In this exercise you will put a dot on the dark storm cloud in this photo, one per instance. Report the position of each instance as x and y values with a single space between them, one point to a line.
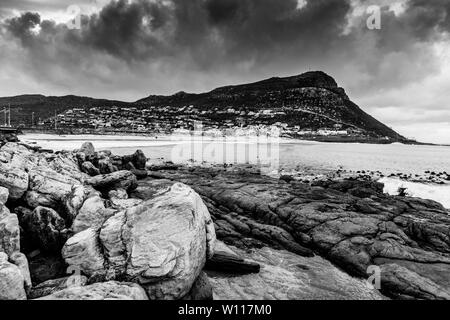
144 30
427 17
131 48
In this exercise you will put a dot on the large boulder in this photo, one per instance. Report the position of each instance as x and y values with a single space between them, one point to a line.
49 187
11 280
47 229
162 244
117 180
21 261
88 149
138 160
101 291
67 165
19 156
14 179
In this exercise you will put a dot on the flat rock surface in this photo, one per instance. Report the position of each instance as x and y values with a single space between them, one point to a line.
287 276
350 223
101 291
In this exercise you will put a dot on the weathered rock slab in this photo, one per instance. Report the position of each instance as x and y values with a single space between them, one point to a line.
101 291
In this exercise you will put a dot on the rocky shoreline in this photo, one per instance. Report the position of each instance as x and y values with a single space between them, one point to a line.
92 225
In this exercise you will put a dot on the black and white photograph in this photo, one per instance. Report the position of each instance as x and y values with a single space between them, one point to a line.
241 152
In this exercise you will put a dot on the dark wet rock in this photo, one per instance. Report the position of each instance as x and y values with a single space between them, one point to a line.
287 178
118 180
351 223
164 166
225 262
47 229
138 159
140 174
44 267
129 166
88 168
105 166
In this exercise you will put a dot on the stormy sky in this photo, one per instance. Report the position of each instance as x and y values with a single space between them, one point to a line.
128 49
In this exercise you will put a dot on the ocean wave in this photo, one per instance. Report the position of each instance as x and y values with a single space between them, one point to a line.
437 193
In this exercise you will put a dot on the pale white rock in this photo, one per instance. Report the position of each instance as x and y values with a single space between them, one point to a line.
119 200
101 291
67 165
20 157
50 185
75 199
114 247
4 211
14 179
162 244
121 204
16 148
92 214
82 251
5 157
4 195
21 261
118 194
221 247
11 280
9 233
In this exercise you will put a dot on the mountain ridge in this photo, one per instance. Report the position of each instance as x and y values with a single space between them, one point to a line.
309 101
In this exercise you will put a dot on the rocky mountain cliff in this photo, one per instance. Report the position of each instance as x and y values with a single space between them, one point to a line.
308 102
312 100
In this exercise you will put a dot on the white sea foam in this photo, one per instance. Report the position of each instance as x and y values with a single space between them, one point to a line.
419 190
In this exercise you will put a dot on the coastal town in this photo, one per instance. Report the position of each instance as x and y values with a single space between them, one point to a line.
146 119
